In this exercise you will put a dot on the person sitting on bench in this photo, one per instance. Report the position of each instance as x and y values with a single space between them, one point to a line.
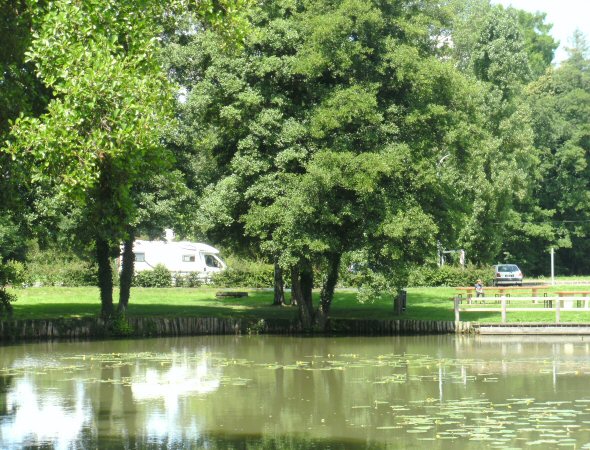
479 288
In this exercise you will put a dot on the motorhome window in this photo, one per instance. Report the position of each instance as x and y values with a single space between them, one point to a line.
211 261
140 257
188 258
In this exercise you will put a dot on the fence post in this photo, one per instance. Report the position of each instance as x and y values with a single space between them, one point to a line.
399 302
503 299
557 310
457 301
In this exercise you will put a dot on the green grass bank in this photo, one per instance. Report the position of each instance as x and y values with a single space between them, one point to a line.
422 304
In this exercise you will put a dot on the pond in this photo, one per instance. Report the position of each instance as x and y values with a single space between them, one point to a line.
440 392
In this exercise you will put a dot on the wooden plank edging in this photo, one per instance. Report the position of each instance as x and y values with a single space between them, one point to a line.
91 328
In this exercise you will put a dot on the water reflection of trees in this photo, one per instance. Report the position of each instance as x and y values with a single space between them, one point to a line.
47 404
35 416
269 391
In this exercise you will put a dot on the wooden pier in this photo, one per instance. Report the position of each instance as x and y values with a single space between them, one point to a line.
531 328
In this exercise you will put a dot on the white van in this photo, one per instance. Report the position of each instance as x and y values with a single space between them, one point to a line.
180 258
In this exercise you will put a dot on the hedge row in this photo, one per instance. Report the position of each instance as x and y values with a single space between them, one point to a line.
57 267
255 277
424 276
57 270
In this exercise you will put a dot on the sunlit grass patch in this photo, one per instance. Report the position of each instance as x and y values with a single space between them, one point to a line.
422 304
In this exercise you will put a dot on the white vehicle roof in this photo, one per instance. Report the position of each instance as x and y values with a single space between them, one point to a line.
140 245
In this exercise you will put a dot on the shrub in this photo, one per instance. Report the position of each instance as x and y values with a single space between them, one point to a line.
57 267
160 277
244 278
11 273
84 275
188 280
245 273
121 327
422 276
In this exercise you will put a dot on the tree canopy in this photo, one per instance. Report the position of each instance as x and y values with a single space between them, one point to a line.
101 133
314 134
325 136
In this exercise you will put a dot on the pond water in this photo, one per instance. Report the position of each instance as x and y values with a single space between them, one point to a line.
278 392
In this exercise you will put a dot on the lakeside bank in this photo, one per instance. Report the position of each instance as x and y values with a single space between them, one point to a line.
139 327
96 328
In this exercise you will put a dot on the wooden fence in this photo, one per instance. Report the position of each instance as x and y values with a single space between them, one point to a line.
505 304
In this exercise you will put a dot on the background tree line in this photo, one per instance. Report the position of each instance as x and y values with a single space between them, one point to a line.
309 134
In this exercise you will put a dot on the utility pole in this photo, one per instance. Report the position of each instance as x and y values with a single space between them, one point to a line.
552 267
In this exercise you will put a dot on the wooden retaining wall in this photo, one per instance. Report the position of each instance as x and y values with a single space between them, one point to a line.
88 328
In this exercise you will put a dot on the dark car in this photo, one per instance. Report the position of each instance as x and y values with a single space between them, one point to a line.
507 274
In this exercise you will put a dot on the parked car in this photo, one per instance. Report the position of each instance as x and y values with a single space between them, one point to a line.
507 274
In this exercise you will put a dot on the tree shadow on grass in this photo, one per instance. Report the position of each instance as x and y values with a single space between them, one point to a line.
84 310
66 310
230 311
429 305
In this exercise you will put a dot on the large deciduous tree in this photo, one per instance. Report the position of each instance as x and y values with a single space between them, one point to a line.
561 104
21 92
504 49
325 134
100 135
98 147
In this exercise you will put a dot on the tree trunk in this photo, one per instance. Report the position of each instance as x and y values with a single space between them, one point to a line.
307 286
126 277
105 277
327 293
279 286
295 287
302 291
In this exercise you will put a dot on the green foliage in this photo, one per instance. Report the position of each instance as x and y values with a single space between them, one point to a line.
508 31
100 136
499 55
159 277
12 242
256 328
427 276
120 327
323 135
98 145
330 128
6 298
539 43
190 280
495 46
255 275
58 266
561 104
110 94
11 273
22 91
503 49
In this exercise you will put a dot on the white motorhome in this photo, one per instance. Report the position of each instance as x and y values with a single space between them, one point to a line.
178 257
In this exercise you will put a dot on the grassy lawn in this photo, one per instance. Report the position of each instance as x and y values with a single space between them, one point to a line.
54 302
422 304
